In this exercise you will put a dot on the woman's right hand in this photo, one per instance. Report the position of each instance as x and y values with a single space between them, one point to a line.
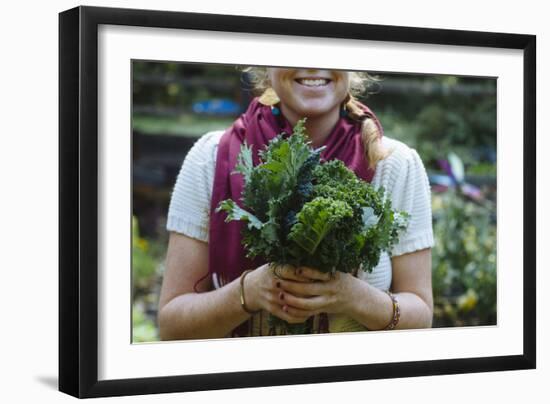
262 290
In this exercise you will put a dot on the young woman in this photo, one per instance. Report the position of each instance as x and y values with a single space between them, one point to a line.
210 290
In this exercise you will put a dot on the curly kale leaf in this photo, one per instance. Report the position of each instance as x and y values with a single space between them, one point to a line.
316 219
374 228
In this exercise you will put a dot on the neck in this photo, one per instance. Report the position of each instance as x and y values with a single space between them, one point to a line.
317 127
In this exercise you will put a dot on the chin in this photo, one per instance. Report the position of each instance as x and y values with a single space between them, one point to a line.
314 111
313 114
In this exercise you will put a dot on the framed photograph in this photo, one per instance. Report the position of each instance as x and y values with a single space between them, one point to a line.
170 231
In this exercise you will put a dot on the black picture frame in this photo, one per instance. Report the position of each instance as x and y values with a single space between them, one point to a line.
78 200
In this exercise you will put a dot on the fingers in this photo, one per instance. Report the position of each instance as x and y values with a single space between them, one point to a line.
288 272
294 294
313 305
314 274
289 314
305 289
280 306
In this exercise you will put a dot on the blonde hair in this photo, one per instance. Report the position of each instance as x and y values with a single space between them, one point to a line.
359 83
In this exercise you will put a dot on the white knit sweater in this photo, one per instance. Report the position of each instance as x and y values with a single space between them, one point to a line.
402 175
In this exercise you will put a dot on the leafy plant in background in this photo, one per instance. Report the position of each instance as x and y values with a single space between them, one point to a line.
440 114
146 269
143 328
143 263
464 255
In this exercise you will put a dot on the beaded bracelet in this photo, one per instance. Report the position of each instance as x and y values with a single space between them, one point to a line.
243 301
396 312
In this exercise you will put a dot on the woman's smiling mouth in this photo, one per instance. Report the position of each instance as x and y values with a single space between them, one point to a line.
313 82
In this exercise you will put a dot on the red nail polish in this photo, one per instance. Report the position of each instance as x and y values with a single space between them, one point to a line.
299 271
278 284
281 296
285 308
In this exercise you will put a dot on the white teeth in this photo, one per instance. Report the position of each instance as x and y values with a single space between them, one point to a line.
313 82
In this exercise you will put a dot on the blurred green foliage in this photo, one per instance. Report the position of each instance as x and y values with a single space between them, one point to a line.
143 328
147 256
438 114
143 263
463 261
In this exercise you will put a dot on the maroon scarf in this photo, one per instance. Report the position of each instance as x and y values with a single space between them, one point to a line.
257 126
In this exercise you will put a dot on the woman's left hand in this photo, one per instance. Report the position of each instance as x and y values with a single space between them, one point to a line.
324 294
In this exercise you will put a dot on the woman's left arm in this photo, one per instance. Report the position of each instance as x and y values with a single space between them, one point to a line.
366 304
412 284
412 287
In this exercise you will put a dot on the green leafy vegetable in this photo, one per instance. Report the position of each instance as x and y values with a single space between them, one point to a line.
300 211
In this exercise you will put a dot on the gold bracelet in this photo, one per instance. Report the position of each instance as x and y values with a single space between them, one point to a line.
243 301
396 312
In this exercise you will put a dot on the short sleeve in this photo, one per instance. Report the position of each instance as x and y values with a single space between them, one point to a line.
189 209
406 181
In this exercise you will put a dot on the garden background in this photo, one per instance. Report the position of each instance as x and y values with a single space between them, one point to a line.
449 120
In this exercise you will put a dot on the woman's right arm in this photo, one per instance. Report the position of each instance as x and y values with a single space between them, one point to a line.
184 314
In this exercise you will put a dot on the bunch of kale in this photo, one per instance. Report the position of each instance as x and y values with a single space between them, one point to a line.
304 212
